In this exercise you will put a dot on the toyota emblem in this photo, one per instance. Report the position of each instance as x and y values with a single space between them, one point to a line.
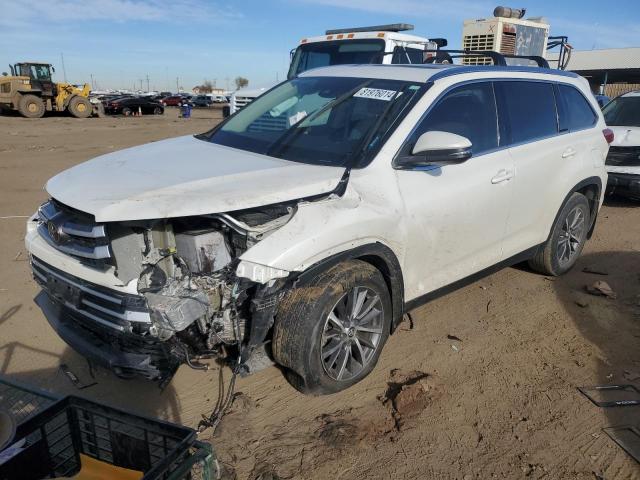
54 231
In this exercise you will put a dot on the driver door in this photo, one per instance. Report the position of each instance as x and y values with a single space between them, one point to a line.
456 214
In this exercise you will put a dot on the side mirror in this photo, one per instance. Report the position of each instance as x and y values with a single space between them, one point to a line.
437 149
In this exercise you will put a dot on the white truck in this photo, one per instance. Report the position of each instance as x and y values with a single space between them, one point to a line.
378 44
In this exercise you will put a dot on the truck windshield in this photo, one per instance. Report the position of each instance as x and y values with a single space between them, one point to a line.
318 120
340 52
623 111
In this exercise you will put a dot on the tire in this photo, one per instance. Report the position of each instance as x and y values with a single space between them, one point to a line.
560 253
31 106
80 107
126 112
158 111
322 354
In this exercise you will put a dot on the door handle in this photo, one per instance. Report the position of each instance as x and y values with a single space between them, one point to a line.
569 152
502 176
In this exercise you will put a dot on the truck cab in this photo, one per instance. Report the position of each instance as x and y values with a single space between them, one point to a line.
378 44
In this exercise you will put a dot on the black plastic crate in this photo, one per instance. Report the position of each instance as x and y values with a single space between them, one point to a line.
55 438
22 402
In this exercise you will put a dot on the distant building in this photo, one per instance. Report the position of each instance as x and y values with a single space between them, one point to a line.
214 91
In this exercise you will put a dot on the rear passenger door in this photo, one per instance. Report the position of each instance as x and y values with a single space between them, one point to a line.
544 162
456 214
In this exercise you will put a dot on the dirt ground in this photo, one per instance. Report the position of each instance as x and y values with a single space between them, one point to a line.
482 385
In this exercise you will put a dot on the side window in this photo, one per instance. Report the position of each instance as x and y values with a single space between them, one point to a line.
576 113
528 110
467 110
403 55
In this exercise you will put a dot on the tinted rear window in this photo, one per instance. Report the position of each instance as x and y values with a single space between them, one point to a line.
576 113
528 110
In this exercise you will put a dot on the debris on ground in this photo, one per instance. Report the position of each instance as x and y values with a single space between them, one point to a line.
594 271
453 337
602 289
73 378
582 303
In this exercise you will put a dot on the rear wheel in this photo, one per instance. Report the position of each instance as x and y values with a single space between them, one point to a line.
567 238
330 332
126 111
80 107
158 111
31 106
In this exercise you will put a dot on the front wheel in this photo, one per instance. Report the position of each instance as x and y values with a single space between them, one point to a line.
80 107
568 237
158 111
330 332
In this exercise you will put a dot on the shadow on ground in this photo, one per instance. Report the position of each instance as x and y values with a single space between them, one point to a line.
138 396
612 325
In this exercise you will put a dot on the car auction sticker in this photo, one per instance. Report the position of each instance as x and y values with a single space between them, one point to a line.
375 94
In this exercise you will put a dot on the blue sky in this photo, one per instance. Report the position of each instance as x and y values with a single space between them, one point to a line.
119 42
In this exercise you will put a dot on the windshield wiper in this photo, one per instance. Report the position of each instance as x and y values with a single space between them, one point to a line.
293 131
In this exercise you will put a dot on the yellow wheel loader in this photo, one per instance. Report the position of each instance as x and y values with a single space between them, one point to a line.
30 90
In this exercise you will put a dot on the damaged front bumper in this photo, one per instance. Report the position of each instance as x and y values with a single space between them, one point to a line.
113 329
103 325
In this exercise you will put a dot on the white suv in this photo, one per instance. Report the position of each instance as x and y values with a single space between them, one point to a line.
303 227
623 162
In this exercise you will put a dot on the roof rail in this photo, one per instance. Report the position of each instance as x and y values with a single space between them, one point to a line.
392 27
499 59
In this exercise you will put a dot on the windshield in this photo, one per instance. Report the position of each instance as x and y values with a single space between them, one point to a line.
623 111
318 120
323 54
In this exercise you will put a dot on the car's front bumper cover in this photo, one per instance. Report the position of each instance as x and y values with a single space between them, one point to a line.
125 353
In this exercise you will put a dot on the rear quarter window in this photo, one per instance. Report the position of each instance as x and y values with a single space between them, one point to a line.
575 112
528 110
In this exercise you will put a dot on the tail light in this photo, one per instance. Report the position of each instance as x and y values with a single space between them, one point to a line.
608 135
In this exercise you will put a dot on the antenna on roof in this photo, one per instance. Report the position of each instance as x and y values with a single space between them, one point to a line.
392 27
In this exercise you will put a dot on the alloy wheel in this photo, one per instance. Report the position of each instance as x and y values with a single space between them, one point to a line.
571 236
352 333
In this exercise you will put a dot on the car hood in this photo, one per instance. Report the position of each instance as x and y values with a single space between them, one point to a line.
625 136
185 176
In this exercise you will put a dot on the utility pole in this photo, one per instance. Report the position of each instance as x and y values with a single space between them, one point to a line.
147 83
64 70
93 85
227 83
177 85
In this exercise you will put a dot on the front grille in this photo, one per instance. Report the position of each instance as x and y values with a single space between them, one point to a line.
475 43
623 157
102 305
242 101
73 232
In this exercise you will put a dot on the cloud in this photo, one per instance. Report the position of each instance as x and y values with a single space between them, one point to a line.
22 13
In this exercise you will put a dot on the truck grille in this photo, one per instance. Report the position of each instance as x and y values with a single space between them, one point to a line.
623 157
72 232
242 101
102 305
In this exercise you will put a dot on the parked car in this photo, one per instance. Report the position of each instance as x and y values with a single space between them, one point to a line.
172 101
202 101
219 98
131 105
622 115
305 226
